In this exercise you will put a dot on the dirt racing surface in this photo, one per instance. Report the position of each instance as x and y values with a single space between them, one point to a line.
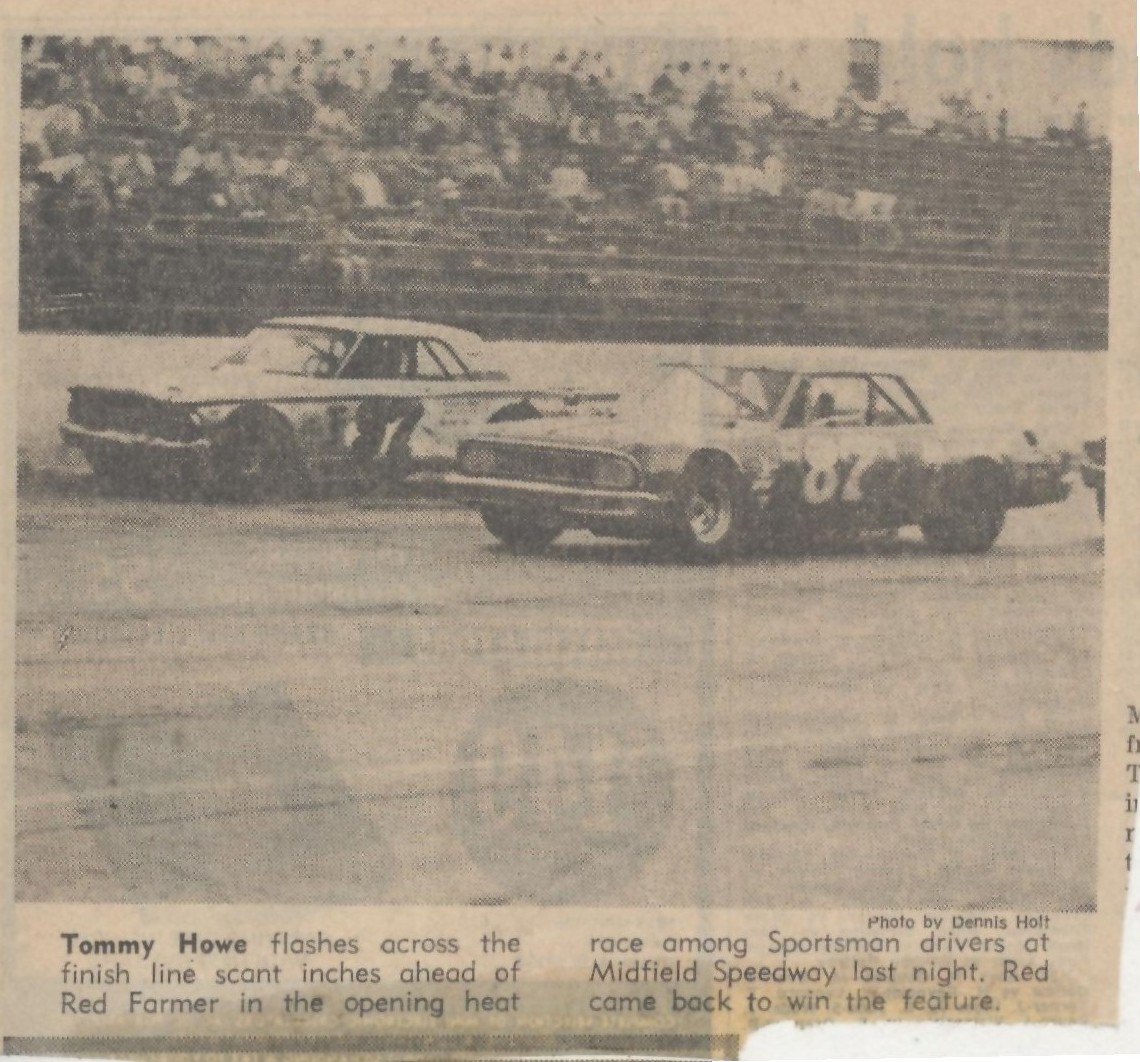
374 703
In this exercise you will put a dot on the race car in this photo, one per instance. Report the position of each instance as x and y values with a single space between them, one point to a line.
1092 469
717 459
301 401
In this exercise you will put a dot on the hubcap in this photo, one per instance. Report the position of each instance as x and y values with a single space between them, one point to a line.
708 510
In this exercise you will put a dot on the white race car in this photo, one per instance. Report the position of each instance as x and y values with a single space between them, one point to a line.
299 401
717 458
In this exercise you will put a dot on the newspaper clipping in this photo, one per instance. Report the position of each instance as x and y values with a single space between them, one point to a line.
566 529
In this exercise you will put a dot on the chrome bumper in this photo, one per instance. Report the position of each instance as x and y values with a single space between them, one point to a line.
77 435
636 506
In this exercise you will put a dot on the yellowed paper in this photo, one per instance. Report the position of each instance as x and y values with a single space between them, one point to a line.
649 570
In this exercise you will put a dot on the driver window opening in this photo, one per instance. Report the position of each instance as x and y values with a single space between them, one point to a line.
382 358
836 401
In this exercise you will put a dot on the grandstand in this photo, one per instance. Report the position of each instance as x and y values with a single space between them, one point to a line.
953 234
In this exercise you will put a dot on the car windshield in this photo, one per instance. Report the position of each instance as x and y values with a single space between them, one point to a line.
292 351
698 392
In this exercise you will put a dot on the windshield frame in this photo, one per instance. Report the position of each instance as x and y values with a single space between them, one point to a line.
246 344
706 374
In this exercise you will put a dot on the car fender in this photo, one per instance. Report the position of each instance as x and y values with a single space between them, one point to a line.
252 417
712 455
978 476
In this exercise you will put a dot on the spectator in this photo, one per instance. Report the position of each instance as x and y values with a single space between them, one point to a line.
569 185
441 126
774 173
669 178
829 215
132 177
874 212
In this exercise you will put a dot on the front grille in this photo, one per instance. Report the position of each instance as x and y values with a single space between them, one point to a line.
546 464
132 414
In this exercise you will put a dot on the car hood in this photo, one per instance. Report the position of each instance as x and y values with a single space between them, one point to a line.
633 434
606 430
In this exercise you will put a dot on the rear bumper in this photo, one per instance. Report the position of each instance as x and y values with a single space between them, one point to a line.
637 510
77 435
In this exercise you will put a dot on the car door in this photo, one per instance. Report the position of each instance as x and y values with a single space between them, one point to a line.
453 407
424 402
856 437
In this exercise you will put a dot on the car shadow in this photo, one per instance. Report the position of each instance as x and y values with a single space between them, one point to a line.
655 554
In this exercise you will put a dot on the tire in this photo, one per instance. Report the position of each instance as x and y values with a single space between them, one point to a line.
255 459
520 531
715 513
971 525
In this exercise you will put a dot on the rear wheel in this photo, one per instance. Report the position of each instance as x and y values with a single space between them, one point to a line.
714 511
521 531
255 460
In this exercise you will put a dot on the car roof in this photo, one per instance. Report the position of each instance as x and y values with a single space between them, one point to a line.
788 366
459 338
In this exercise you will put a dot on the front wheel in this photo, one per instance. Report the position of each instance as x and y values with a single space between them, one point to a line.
255 461
520 531
713 512
969 527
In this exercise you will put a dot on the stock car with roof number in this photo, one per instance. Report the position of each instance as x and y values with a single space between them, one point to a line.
717 459
299 401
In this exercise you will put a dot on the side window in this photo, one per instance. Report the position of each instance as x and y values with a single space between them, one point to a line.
837 401
891 405
381 358
798 407
431 361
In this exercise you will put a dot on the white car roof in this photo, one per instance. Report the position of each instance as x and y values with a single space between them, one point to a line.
461 339
785 363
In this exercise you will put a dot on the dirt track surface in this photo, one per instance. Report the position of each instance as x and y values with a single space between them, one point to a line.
344 703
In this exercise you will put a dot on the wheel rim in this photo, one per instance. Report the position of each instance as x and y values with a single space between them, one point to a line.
708 512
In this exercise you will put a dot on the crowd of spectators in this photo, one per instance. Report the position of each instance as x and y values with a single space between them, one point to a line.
281 129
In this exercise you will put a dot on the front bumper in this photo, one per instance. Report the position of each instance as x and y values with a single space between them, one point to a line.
1039 484
639 510
1092 476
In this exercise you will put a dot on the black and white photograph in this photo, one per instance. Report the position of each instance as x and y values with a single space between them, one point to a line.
572 530
550 471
